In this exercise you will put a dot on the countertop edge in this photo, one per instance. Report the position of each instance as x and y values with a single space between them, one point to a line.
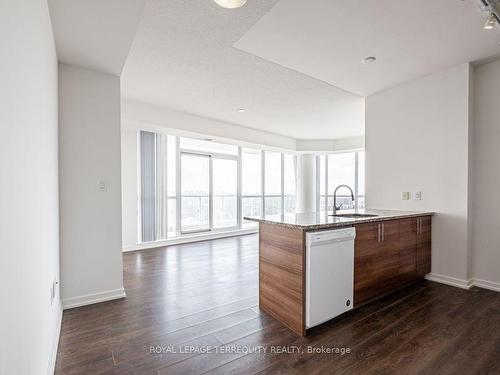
340 224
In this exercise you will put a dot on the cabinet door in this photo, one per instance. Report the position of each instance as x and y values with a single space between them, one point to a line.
408 249
424 246
376 259
388 259
366 248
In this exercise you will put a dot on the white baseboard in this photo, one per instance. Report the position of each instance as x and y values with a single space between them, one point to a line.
189 239
448 280
464 284
55 343
90 299
491 285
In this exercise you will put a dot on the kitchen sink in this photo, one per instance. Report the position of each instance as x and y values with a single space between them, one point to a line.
353 215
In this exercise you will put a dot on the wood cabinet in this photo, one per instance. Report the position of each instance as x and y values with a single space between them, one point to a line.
390 254
376 259
282 275
423 245
407 249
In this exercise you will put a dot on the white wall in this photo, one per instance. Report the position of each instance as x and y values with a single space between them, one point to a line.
486 177
331 145
417 137
89 141
29 223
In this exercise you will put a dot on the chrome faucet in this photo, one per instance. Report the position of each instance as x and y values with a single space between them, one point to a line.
335 208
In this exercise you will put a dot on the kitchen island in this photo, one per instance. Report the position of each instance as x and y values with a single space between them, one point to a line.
392 249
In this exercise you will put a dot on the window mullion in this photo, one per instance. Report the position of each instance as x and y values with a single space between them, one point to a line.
356 180
318 183
326 183
239 203
263 180
282 183
178 204
210 192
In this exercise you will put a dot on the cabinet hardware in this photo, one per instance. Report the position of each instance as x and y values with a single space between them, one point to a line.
378 235
383 232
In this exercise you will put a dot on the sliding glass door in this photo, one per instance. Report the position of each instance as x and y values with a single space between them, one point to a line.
225 193
195 192
209 192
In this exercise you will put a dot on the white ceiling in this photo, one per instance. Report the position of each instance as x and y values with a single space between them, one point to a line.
95 34
327 39
183 58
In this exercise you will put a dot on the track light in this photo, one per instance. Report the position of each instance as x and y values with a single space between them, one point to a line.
490 21
231 4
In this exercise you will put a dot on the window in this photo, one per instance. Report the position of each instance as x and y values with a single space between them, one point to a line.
360 196
193 185
272 186
251 186
340 169
321 164
225 194
195 192
290 182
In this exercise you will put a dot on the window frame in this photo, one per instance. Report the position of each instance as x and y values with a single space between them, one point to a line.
211 156
327 195
240 223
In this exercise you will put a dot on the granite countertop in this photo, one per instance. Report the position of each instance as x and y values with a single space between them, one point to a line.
322 220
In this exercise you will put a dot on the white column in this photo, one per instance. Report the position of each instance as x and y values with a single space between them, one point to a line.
306 183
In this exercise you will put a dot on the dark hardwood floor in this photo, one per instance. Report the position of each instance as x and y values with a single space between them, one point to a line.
184 299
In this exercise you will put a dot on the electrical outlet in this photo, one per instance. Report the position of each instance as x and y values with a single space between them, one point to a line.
405 195
417 196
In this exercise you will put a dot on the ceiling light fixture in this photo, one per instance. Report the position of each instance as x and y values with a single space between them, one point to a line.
369 60
241 110
490 21
231 4
492 8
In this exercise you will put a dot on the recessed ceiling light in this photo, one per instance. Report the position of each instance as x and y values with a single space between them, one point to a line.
241 110
369 60
231 4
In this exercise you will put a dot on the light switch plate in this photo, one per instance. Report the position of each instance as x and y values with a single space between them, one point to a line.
405 195
417 195
101 185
